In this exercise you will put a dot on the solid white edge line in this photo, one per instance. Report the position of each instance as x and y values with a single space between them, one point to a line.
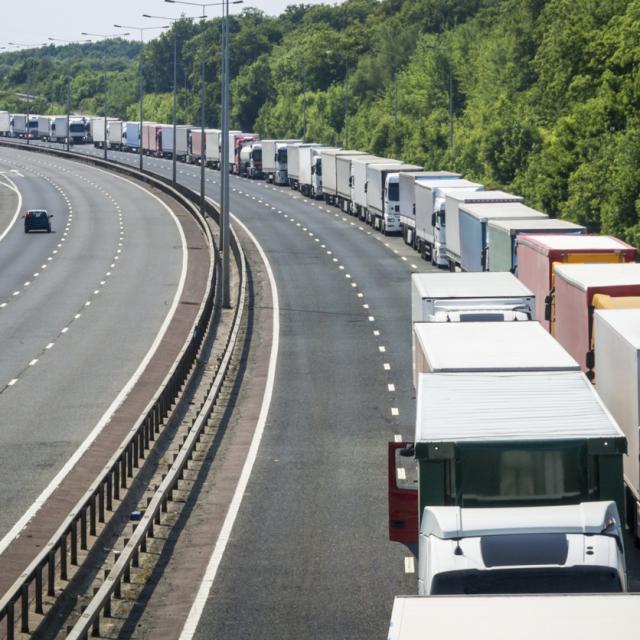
18 209
88 441
191 623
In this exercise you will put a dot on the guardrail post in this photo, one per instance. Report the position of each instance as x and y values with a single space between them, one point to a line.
107 607
123 470
83 529
39 608
10 621
116 591
143 543
129 461
109 492
145 434
101 503
63 557
141 444
51 574
92 515
116 480
127 573
135 558
95 629
74 543
24 601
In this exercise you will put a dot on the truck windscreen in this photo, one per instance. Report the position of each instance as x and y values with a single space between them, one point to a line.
77 128
394 191
529 580
256 155
510 476
282 156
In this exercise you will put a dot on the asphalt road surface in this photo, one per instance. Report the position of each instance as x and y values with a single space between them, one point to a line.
80 307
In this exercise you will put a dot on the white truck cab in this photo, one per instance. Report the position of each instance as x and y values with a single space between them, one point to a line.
552 549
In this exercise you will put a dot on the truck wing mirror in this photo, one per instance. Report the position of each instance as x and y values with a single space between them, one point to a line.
433 219
403 496
590 360
366 187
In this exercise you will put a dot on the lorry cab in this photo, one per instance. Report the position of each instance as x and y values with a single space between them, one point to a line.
316 178
563 549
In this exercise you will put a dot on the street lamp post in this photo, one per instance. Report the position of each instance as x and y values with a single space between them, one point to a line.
106 84
141 30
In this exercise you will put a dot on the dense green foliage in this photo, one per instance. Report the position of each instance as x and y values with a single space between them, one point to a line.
545 92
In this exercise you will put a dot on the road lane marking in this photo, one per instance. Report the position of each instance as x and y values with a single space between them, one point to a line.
394 411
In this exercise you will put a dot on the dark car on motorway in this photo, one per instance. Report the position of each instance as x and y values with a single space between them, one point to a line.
37 220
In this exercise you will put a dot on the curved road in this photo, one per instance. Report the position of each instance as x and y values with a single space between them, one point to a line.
309 554
79 310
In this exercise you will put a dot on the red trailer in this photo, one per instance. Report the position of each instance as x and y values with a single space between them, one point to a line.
195 146
239 140
537 252
575 288
152 139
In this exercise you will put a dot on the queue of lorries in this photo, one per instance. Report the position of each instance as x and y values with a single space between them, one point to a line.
524 469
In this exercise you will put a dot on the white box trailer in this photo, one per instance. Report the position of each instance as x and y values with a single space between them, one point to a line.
330 173
310 171
585 616
383 209
114 133
466 297
407 198
454 347
19 125
344 179
5 123
44 127
452 217
295 150
97 132
617 358
430 216
358 178
59 129
211 147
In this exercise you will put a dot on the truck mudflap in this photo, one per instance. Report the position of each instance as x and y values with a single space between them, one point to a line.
403 497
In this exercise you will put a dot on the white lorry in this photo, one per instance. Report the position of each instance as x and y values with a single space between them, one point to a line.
329 158
358 181
525 617
274 160
430 198
19 125
114 133
131 136
5 123
407 198
295 167
617 359
452 217
470 297
548 549
44 127
182 138
383 195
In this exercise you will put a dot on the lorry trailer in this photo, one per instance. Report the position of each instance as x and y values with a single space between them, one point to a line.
310 171
330 173
617 352
578 288
383 195
131 136
430 198
166 141
358 180
453 201
537 253
44 127
294 167
454 347
474 236
503 235
114 133
525 617
5 123
470 297
547 438
407 198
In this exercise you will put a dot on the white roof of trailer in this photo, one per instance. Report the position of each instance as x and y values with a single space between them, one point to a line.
374 160
485 196
566 242
537 224
486 407
454 183
493 210
394 166
529 617
496 284
491 346
626 322
420 176
599 274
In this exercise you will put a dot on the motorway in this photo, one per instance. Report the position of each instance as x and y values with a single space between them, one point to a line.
309 555
76 317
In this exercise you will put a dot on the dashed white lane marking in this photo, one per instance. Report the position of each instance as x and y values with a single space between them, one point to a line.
382 349
394 411
49 346
409 564
12 382
371 319
33 362
386 366
365 306
391 387
376 332
64 330
402 474
397 437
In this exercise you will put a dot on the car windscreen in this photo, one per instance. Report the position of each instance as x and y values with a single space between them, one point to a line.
530 580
